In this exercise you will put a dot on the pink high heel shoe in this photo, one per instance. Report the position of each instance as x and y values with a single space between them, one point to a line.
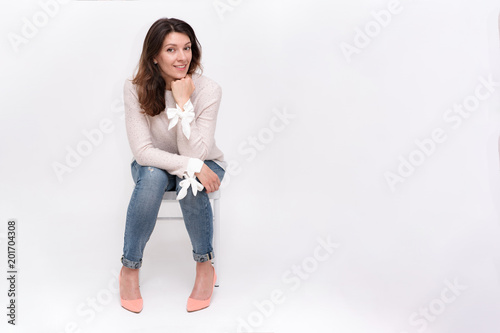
198 304
133 305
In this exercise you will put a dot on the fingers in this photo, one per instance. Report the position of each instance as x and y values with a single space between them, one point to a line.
209 179
216 185
213 184
216 182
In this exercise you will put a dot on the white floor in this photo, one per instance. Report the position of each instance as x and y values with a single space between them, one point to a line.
352 289
70 297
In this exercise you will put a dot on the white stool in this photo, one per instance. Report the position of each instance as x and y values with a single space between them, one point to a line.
170 196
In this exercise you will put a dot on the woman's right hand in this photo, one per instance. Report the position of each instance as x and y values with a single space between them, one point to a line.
182 90
208 179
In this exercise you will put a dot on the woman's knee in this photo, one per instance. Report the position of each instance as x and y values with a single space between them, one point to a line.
195 204
217 169
151 178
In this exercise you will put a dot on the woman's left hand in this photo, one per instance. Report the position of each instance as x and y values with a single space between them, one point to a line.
182 90
208 179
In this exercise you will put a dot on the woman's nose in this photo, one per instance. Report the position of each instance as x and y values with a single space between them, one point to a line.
181 55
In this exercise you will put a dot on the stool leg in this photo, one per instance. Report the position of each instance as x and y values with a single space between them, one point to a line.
216 220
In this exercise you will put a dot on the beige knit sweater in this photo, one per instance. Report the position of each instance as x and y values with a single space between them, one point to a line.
154 145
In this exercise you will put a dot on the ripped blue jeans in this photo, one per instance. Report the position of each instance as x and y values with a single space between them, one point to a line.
150 185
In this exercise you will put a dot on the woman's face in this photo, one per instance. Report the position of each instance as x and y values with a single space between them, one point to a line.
174 57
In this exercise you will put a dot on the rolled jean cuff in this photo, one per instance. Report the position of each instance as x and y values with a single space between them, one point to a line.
203 257
131 264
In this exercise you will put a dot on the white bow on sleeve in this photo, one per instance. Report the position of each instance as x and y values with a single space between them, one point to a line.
186 117
189 180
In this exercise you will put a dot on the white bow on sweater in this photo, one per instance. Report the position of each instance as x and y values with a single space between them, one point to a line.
186 117
190 180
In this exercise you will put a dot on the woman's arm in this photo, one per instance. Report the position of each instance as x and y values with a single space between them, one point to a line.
202 129
139 138
201 139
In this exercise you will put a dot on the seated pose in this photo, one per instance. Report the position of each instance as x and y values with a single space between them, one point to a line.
170 115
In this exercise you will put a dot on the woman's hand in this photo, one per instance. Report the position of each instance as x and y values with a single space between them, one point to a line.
208 178
182 90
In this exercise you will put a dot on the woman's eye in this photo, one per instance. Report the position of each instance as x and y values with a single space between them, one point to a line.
170 50
187 48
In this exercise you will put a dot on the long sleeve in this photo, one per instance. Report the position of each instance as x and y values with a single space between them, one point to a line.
140 140
201 139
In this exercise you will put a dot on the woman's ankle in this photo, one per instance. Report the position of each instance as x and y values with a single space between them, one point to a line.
130 271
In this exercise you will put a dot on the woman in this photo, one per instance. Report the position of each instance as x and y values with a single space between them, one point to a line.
170 115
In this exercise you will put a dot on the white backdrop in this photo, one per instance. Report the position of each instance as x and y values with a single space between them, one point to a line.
371 126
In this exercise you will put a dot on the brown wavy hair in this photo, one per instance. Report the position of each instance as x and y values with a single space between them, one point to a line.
150 84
